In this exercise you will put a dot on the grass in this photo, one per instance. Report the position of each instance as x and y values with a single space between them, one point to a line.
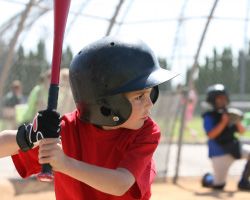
195 126
194 132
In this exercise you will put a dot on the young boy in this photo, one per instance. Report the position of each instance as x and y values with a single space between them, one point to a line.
106 146
223 146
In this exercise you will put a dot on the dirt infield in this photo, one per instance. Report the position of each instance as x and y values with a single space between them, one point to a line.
190 189
186 189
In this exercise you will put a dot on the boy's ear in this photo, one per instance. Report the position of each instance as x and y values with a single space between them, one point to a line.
154 94
105 111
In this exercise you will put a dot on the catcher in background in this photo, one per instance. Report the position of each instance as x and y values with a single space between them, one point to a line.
221 124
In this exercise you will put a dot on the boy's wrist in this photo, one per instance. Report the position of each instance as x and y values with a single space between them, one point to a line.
22 140
66 166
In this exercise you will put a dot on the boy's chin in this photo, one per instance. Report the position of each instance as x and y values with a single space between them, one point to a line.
136 126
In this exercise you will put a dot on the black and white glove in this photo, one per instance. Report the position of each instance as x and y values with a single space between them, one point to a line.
46 124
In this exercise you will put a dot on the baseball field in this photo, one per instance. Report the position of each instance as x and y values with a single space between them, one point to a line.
185 189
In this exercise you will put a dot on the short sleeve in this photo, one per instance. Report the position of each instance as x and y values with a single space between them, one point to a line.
208 123
138 157
26 163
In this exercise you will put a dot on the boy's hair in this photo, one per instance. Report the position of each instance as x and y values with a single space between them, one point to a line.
215 90
101 72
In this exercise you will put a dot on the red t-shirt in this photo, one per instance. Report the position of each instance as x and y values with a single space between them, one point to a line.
124 148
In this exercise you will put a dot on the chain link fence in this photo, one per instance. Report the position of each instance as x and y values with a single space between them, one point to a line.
27 77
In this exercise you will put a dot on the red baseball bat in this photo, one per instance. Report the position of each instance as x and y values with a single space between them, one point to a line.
61 9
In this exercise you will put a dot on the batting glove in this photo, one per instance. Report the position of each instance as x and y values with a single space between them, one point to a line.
46 124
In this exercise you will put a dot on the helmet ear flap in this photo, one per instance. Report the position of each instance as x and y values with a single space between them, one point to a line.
154 94
109 111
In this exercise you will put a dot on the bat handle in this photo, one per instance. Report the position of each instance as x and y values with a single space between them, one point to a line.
46 175
53 96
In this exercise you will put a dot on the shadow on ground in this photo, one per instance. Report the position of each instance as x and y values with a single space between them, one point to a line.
30 185
219 194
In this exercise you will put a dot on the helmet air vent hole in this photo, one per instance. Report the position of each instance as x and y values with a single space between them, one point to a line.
105 111
79 52
112 43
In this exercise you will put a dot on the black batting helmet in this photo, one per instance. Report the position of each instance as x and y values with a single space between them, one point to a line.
103 71
215 90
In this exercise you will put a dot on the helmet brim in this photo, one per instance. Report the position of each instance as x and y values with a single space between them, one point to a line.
146 80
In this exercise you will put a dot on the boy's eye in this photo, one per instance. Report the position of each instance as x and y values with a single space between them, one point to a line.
139 97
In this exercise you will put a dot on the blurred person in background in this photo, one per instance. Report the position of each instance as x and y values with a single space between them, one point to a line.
11 99
38 97
223 145
66 102
192 99
15 96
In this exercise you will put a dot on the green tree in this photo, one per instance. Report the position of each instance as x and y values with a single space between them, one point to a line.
228 71
247 72
67 57
218 69
27 68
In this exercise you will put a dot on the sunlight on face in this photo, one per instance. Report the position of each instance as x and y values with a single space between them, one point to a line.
141 105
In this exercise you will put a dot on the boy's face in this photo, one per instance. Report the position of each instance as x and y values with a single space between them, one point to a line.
221 101
141 106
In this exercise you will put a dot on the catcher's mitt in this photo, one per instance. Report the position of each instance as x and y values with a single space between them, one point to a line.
235 115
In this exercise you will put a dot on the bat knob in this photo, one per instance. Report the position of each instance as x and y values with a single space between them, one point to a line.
45 177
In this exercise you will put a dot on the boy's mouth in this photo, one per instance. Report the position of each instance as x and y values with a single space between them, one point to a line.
145 117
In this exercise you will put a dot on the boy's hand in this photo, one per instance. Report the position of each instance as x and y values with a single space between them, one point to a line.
50 151
46 124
